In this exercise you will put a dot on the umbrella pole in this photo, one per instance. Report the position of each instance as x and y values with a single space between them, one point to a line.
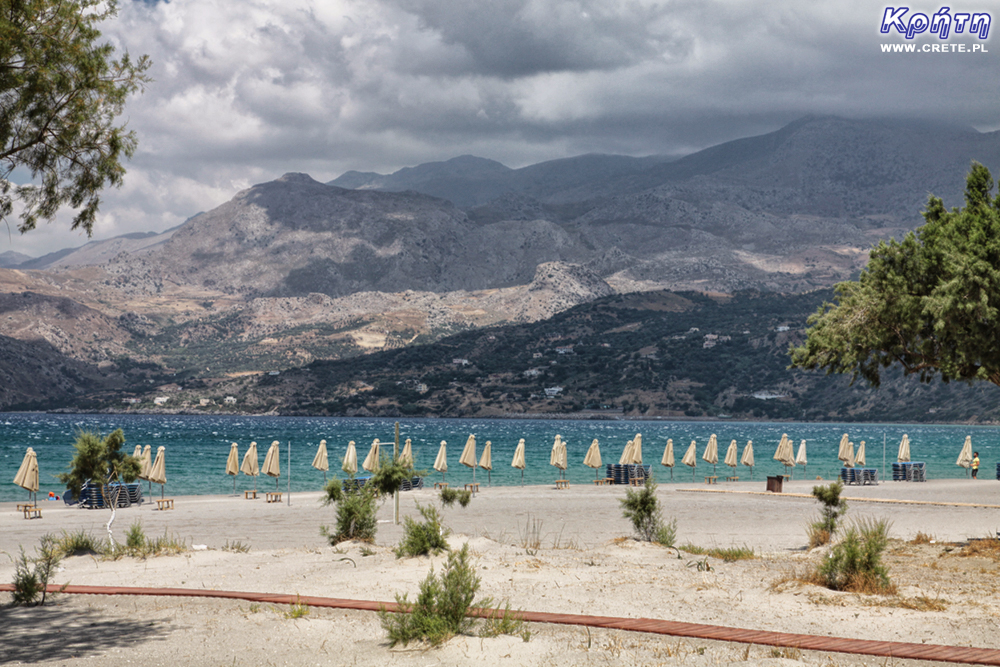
522 476
671 473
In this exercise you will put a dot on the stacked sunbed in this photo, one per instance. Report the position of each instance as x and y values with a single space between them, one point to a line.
622 473
859 475
911 471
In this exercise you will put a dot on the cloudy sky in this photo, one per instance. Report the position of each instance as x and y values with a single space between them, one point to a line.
246 90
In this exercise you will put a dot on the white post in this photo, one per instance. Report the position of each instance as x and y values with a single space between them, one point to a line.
395 494
289 473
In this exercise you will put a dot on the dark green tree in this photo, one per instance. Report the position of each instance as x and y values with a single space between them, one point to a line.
928 303
61 91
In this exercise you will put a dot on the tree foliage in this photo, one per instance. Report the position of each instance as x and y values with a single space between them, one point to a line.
99 461
61 91
928 303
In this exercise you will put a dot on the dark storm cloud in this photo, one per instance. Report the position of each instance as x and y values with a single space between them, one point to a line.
247 90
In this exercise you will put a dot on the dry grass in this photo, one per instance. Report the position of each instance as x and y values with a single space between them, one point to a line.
922 538
728 555
818 536
988 547
919 603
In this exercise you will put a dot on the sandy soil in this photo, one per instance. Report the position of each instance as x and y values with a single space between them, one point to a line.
585 565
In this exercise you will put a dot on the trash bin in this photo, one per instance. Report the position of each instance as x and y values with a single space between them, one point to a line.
774 483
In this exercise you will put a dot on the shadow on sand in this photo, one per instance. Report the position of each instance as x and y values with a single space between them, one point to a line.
64 629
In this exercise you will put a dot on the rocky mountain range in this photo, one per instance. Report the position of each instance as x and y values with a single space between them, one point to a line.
294 270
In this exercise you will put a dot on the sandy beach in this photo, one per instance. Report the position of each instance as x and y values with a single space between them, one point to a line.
583 567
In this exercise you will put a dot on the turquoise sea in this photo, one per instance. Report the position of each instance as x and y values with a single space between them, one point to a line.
197 446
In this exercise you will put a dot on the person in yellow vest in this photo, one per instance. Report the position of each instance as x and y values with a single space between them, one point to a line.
975 465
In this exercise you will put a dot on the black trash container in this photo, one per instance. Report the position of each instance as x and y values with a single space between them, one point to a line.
774 483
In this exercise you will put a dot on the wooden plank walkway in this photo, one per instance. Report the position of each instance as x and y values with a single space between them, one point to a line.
898 650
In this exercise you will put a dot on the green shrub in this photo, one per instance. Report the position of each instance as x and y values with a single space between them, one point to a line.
134 537
464 497
832 510
425 537
441 608
448 496
855 563
31 575
642 508
356 509
505 621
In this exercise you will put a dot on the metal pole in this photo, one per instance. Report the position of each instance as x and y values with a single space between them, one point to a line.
883 452
289 473
395 494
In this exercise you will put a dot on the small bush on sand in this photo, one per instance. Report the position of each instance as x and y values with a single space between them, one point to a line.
135 538
855 563
464 497
833 508
80 543
440 609
448 497
358 503
642 508
31 575
504 621
422 538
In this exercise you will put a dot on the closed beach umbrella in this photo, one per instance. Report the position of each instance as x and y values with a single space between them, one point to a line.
800 458
860 458
441 462
406 458
711 453
145 463
904 449
965 457
842 453
371 461
249 465
272 463
593 457
27 474
784 453
138 452
518 460
747 458
691 457
468 457
731 459
486 462
626 456
668 457
558 456
322 460
350 464
233 463
637 449
849 455
158 471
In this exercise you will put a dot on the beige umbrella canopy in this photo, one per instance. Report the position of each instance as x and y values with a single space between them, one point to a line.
371 461
965 456
558 456
518 460
145 462
233 463
322 459
849 455
27 474
784 453
903 455
747 458
406 458
842 452
626 456
468 457
593 458
691 457
731 459
486 462
711 453
138 452
272 463
441 462
860 458
800 458
249 465
350 462
158 471
668 457
637 449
